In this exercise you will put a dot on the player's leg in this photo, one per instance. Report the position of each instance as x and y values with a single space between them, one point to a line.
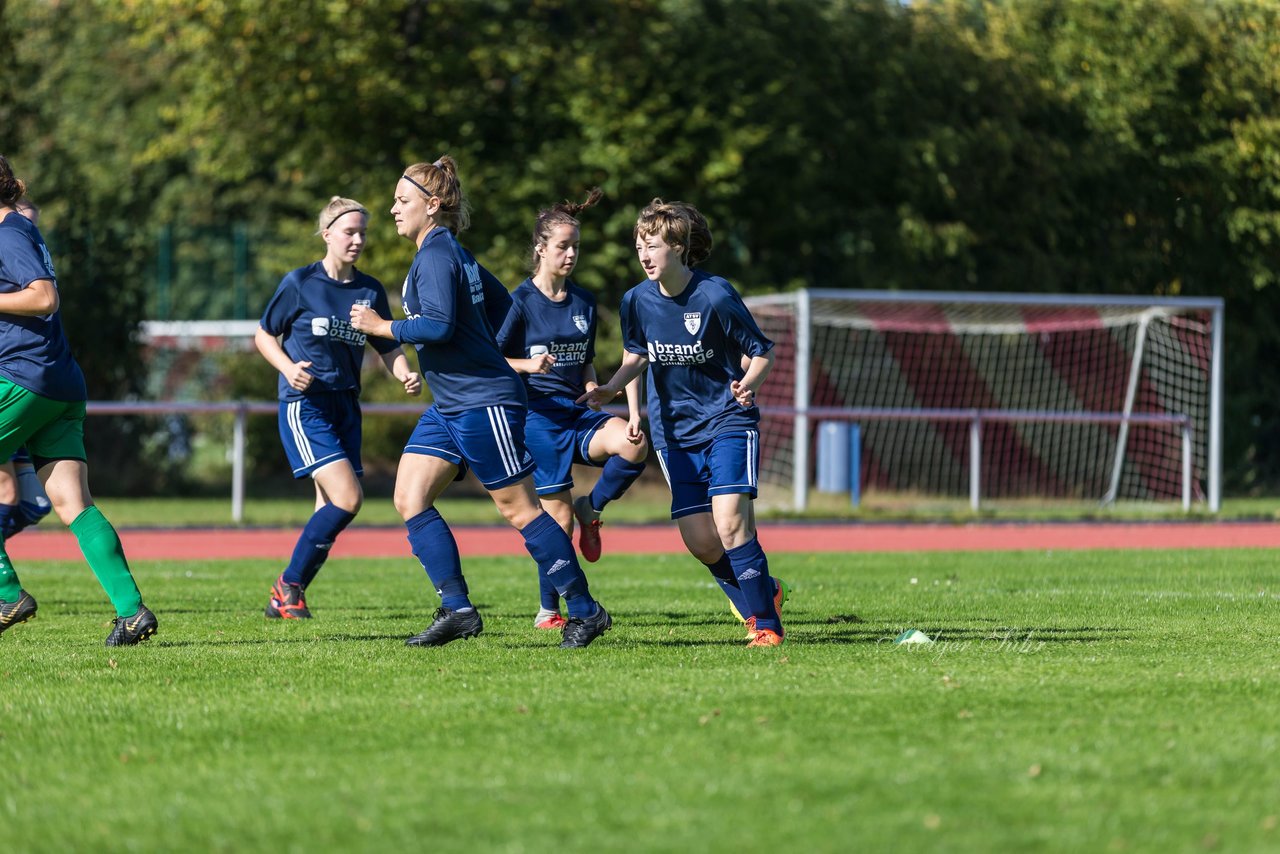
604 442
16 605
338 492
732 462
33 504
549 439
558 505
686 476
338 499
66 481
21 412
493 440
8 500
320 442
430 462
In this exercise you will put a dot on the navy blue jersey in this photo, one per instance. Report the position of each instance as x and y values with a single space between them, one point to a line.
34 352
311 313
694 343
565 329
453 306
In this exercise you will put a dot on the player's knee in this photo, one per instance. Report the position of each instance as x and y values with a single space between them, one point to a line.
408 505
732 530
636 453
707 552
519 516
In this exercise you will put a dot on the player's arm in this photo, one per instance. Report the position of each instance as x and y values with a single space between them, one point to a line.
294 373
398 364
744 390
631 368
741 329
634 434
35 300
539 364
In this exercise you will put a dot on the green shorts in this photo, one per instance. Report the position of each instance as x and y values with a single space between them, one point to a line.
51 429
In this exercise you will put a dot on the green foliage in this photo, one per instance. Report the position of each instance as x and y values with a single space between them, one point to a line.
1119 146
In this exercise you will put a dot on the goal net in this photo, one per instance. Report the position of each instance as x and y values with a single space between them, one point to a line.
996 396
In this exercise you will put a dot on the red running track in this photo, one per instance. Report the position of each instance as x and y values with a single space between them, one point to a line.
230 543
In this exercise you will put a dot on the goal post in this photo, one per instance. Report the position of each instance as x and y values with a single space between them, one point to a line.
997 396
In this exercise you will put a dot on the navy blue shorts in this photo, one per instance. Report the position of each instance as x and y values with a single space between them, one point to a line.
319 429
727 465
489 441
559 432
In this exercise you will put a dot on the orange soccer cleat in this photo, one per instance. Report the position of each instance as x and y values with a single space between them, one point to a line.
766 637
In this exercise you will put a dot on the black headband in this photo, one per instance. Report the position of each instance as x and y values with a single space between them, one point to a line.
344 213
424 190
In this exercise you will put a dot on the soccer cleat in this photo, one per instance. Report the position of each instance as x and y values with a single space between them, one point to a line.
781 592
447 625
18 611
588 528
581 631
287 602
548 620
128 631
752 631
766 637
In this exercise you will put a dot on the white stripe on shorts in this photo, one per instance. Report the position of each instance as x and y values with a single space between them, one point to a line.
502 436
662 464
751 457
293 414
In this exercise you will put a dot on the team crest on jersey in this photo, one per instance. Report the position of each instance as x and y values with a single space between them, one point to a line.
580 321
693 321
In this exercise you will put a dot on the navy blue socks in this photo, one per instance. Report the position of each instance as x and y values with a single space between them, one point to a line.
616 477
313 546
751 568
723 572
8 520
558 564
549 597
436 549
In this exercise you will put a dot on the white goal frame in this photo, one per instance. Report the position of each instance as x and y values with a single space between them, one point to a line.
800 303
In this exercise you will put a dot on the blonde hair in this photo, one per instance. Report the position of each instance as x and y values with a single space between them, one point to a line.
337 207
440 179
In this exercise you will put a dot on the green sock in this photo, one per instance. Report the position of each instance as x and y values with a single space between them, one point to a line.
102 549
10 589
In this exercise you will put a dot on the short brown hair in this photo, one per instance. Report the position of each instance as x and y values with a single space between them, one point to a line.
678 224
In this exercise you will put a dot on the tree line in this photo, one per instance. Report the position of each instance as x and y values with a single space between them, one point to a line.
1112 146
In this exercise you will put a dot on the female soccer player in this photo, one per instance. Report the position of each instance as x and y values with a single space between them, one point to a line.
42 406
694 332
22 499
477 419
549 336
306 335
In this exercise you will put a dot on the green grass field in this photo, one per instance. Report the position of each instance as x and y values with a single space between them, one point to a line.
1084 701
